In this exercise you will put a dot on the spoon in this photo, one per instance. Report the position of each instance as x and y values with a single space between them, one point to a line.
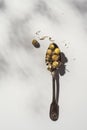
53 62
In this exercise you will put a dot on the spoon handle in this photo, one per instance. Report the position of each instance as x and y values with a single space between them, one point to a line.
54 108
53 85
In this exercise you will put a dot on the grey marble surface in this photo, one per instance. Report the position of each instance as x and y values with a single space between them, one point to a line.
25 83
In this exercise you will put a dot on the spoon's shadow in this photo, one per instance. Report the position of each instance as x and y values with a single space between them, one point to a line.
60 71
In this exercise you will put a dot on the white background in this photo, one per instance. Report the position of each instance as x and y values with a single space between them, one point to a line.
25 83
